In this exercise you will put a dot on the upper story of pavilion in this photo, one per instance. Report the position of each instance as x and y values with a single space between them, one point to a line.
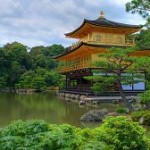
104 32
95 37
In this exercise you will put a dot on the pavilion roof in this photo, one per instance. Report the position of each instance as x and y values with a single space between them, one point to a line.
87 45
103 22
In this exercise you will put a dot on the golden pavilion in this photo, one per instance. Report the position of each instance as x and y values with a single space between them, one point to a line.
94 37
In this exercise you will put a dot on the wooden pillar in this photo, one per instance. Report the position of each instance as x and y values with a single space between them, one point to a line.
66 83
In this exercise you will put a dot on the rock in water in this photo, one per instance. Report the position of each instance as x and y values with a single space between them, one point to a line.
94 115
82 103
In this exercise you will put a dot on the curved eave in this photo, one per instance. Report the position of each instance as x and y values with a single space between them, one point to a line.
86 44
103 23
83 23
70 51
139 52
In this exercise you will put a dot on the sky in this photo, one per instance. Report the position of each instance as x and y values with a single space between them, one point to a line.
44 22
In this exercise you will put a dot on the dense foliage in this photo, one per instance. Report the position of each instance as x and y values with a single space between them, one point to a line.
116 133
28 69
122 110
143 39
118 66
145 99
141 7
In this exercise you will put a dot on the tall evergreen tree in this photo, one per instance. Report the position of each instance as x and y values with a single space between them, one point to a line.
141 7
115 62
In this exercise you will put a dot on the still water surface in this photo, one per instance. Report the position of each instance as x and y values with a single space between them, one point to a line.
43 106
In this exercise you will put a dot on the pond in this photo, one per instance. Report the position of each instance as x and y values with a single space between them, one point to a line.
43 106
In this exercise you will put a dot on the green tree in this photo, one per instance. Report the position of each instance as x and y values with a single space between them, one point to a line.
3 69
54 50
143 39
22 69
16 70
37 50
44 62
144 63
26 80
145 98
141 7
17 61
50 51
41 57
122 134
18 52
39 79
52 78
2 58
115 62
39 83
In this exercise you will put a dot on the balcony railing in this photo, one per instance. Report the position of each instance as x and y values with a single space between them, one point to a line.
129 42
105 41
126 42
74 45
73 67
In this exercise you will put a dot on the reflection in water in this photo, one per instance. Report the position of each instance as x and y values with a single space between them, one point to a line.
43 106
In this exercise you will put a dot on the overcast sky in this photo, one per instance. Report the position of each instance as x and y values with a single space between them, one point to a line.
44 22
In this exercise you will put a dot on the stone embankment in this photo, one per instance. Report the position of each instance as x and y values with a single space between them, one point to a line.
82 99
72 96
101 99
24 91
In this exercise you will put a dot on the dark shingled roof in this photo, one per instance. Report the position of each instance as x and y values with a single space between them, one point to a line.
104 23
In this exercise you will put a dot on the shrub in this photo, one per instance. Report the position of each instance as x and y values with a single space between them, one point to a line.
94 145
145 115
122 110
145 98
122 134
37 135
117 133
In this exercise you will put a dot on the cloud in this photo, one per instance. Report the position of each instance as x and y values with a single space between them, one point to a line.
44 22
10 8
